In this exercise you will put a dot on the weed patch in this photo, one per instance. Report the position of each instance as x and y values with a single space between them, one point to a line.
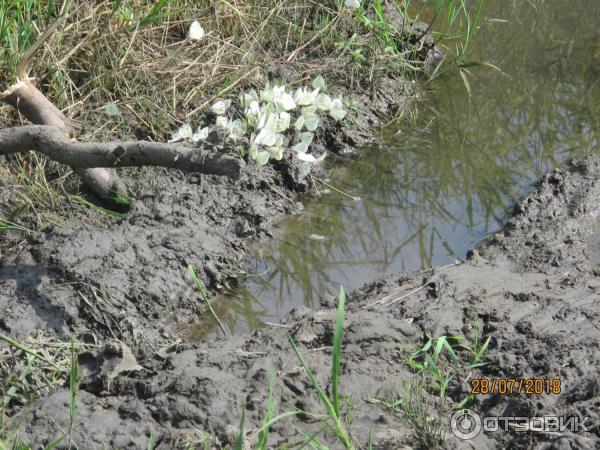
29 370
424 401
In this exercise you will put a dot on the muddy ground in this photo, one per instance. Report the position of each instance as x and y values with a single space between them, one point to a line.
100 278
533 288
127 278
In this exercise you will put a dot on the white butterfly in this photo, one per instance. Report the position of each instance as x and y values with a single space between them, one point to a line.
323 102
222 122
305 97
352 4
196 31
221 106
200 134
237 129
306 157
336 109
319 83
184 132
266 138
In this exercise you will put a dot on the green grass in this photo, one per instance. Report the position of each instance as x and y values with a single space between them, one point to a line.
421 413
422 404
239 440
334 420
33 192
204 296
151 441
244 40
27 371
17 27
423 401
73 388
263 435
86 202
7 225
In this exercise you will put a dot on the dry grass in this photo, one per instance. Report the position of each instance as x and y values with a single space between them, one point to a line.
136 55
31 368
158 78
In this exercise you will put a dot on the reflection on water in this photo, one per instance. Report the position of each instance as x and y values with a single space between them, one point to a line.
437 188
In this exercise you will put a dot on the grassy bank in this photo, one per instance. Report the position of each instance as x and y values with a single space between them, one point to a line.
128 69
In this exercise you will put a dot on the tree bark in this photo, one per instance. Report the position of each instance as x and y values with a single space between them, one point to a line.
31 103
54 143
91 161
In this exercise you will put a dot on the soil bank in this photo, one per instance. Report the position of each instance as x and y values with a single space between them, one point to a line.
533 287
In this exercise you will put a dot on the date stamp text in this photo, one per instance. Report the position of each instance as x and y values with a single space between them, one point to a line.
515 386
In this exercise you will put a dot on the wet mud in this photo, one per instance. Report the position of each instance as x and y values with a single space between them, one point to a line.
127 278
532 288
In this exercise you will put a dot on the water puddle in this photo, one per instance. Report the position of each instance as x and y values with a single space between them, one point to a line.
438 187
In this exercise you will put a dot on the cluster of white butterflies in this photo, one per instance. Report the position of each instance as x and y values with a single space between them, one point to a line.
268 115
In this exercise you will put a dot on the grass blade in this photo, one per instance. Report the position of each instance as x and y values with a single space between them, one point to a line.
484 347
465 401
278 417
311 439
263 435
337 349
438 348
153 15
151 441
451 352
73 387
337 428
313 380
51 446
239 441
30 351
108 212
200 285
6 225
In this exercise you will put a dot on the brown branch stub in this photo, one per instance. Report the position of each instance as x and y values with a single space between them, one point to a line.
55 143
31 103
34 105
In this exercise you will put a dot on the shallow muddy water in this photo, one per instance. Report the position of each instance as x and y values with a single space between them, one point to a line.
440 185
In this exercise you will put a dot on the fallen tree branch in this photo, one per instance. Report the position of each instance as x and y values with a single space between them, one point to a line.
53 135
53 142
32 104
